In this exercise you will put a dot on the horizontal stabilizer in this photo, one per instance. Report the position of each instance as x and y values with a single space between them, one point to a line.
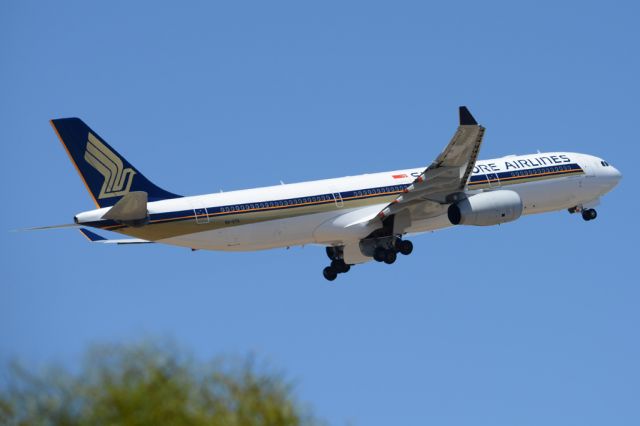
95 238
91 236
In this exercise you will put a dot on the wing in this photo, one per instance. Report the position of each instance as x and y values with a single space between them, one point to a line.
445 178
95 238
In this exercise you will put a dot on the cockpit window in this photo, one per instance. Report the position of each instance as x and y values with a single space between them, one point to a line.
604 163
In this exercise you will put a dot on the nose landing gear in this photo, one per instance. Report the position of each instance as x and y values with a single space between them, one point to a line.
589 214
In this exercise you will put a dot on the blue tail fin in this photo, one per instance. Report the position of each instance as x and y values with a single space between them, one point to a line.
107 175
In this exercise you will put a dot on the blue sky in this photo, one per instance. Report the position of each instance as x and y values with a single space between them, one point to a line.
534 322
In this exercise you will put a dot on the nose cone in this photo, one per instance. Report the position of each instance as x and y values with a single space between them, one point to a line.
615 174
611 176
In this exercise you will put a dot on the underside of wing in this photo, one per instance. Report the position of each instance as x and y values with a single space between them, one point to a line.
444 180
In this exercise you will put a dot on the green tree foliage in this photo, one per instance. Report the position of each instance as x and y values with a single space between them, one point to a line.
150 384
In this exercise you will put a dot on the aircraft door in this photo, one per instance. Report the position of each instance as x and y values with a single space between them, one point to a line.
492 179
338 199
589 167
201 215
590 172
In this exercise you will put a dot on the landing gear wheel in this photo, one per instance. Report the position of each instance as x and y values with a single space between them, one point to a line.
339 266
390 257
405 247
379 254
330 273
589 214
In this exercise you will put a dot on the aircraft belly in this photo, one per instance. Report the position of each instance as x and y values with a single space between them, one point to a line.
292 231
431 224
543 196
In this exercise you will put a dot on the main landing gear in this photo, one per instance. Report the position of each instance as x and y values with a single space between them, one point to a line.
338 265
387 252
389 255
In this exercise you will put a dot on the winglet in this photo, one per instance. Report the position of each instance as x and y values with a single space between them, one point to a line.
466 119
91 236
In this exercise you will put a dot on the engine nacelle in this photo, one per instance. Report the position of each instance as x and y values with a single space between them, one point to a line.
486 208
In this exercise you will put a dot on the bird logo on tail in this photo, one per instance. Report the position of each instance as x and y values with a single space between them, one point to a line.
117 179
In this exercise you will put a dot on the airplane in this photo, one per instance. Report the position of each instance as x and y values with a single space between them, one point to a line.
356 218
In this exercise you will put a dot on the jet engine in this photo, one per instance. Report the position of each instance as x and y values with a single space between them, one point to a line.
486 208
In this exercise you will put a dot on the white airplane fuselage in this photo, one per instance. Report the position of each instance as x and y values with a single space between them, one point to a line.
332 211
